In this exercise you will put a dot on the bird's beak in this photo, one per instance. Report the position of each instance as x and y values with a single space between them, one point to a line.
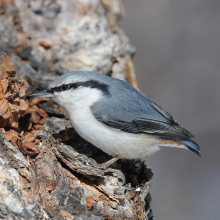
43 94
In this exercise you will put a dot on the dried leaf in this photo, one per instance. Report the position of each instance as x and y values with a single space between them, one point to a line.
40 122
12 89
3 86
28 148
7 68
90 202
41 112
35 117
45 43
10 134
7 114
28 137
23 105
107 217
35 101
65 136
61 109
7 95
1 96
3 130
3 107
30 126
14 141
38 126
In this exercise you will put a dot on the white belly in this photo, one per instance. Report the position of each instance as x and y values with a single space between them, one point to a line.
112 141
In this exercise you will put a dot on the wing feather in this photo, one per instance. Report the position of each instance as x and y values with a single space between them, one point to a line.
139 115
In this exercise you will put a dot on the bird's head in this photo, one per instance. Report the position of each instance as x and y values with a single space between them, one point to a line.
76 89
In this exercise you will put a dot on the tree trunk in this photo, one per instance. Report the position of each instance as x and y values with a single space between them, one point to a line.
46 170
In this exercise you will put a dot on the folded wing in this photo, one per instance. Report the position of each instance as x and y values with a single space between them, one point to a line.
138 118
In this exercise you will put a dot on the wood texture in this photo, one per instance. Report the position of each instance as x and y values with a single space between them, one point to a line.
46 170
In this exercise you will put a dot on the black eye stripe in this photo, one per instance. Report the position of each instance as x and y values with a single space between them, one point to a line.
91 83
62 88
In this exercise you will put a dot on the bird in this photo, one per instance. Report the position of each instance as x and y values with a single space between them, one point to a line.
115 117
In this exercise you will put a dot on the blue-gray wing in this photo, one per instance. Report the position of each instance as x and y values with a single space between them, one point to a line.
137 114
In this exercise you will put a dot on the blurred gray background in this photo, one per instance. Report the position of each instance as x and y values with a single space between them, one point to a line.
178 66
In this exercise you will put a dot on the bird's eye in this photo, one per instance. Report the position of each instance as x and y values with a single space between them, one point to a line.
65 87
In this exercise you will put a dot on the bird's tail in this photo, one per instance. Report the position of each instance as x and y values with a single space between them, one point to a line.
184 143
191 145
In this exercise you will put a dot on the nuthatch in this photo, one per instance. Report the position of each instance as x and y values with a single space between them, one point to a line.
115 117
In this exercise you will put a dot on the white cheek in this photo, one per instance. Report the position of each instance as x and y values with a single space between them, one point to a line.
77 98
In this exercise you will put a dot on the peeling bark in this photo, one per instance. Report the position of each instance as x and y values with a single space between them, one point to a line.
46 170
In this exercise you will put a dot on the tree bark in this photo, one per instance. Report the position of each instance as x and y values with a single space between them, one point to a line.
46 170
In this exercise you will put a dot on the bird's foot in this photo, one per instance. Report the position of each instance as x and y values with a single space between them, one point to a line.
108 163
116 173
92 162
